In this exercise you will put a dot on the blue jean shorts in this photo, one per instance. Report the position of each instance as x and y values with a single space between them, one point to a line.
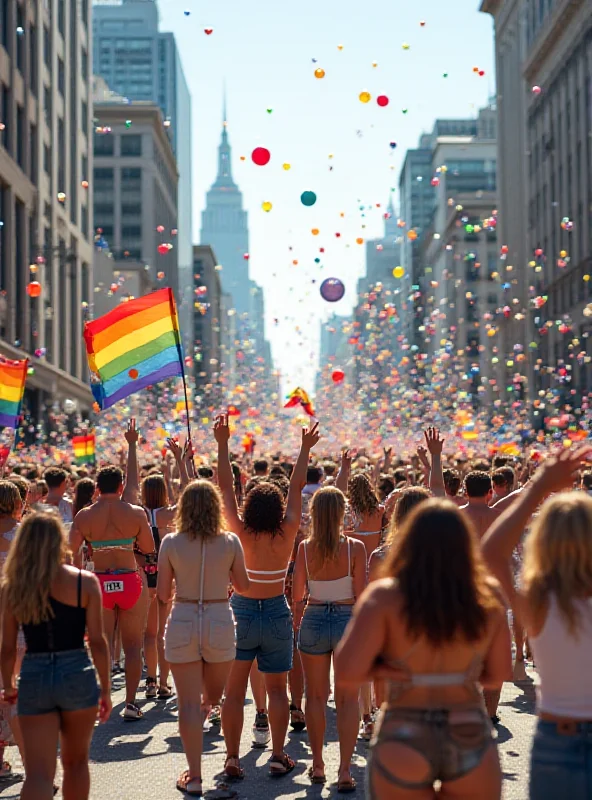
561 764
322 627
264 631
64 681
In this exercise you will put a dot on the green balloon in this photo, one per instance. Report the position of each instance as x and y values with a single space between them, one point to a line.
308 198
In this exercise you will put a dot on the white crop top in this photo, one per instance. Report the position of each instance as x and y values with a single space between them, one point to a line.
331 591
564 663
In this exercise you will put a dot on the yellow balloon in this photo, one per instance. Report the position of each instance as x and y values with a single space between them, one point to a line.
286 166
398 272
315 231
365 97
319 73
267 206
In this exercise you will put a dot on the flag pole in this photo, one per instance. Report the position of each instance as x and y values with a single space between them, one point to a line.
182 363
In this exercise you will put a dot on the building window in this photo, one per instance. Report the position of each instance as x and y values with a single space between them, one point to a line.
84 12
47 46
20 137
47 158
19 246
33 64
21 40
84 120
61 76
131 232
131 145
33 163
104 144
4 25
6 116
47 105
131 173
62 16
84 65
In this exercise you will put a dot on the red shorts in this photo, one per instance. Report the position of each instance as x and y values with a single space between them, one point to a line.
120 589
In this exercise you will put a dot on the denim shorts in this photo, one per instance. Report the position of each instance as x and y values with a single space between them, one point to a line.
561 764
322 627
64 681
264 631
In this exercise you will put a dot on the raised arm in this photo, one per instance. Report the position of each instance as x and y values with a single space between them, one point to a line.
225 477
298 479
342 479
434 444
132 481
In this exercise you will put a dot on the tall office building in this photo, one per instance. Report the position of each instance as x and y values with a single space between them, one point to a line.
45 205
544 84
140 62
224 226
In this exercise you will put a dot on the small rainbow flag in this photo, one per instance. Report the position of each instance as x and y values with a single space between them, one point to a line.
134 346
84 449
300 398
13 375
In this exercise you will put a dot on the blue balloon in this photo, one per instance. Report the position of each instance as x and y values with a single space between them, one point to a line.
308 198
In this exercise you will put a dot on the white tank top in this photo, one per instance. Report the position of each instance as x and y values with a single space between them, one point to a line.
564 663
332 591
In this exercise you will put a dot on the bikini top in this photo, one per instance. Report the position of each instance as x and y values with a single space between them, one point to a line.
468 679
106 544
281 573
334 591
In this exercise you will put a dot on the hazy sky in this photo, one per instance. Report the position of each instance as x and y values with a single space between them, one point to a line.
264 50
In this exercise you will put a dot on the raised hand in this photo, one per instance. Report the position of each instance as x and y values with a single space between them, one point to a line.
422 454
310 437
173 447
132 434
346 458
433 441
387 452
221 429
558 473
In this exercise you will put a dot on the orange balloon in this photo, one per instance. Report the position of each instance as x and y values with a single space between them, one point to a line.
34 289
315 231
133 373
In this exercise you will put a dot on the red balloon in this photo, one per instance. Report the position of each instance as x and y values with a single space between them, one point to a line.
163 249
261 156
337 376
34 289
382 100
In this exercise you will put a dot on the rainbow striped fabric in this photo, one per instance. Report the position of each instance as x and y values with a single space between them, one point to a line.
134 346
84 448
13 375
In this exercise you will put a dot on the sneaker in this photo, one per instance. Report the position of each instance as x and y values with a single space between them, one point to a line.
131 713
261 732
151 689
519 674
367 729
214 718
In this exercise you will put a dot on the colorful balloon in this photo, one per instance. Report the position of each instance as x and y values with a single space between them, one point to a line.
34 289
338 375
308 198
332 290
382 100
267 206
319 73
261 156
398 272
365 97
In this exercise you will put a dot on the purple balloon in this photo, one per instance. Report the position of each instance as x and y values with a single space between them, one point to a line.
332 290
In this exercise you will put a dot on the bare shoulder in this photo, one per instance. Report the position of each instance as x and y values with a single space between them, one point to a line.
379 592
137 510
357 547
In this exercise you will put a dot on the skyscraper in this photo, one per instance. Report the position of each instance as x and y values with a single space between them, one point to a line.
142 63
224 226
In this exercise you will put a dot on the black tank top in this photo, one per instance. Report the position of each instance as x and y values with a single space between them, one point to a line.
64 631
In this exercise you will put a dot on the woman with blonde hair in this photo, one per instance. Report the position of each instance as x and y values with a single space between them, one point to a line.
58 696
554 605
436 627
331 570
200 642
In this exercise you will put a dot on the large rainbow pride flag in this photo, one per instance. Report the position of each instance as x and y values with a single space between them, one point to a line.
13 375
134 346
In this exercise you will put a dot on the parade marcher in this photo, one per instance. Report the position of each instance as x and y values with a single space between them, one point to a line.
554 604
58 696
434 626
331 570
200 645
57 484
267 528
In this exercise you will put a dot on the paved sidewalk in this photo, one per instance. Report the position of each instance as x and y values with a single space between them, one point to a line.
143 759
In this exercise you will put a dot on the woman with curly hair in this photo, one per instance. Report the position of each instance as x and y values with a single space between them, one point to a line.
267 528
367 512
199 637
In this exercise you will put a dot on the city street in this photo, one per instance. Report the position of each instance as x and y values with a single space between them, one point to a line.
143 759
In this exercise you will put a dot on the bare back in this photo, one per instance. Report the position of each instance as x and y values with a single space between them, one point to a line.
481 516
267 557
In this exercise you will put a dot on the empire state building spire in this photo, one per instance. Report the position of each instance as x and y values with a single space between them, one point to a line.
224 178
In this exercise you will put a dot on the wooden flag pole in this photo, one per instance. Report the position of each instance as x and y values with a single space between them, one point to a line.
182 363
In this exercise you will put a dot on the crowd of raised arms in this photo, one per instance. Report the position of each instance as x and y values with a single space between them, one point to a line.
409 587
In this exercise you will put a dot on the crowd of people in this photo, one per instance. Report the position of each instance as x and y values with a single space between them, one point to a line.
385 580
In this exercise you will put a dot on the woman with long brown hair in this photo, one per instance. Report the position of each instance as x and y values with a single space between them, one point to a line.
367 512
436 627
331 570
58 696
200 643
554 605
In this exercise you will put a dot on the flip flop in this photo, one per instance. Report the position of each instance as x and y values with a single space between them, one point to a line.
346 786
315 778
184 782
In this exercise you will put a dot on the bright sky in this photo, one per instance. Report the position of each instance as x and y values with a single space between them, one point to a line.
264 49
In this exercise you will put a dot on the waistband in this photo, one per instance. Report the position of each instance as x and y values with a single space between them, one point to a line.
268 604
57 655
118 572
436 715
329 605
566 726
199 602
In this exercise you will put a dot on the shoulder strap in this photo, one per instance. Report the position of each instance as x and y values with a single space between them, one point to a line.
154 526
348 556
79 587
305 560
203 564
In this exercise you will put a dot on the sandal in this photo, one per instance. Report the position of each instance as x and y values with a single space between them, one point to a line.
346 785
184 782
315 778
278 767
6 770
297 719
131 713
233 769
164 692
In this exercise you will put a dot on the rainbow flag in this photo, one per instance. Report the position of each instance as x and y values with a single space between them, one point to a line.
300 398
134 346
84 449
13 375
